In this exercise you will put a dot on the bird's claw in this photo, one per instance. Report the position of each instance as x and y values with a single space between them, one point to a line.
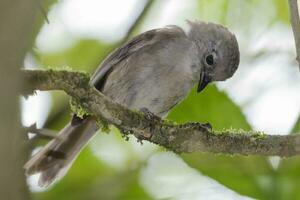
150 117
207 125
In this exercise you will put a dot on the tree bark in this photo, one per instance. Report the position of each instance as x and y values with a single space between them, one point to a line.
16 23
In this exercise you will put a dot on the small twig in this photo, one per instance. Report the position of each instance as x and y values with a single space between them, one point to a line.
295 22
138 19
40 133
43 11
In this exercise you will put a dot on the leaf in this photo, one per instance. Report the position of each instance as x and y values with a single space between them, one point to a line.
288 178
250 175
247 175
91 179
207 10
210 106
85 55
282 11
296 128
288 174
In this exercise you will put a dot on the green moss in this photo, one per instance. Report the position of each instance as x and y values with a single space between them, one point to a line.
170 122
63 68
254 134
81 112
226 131
103 125
259 135
78 109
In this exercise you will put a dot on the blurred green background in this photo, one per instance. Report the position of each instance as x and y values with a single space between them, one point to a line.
263 95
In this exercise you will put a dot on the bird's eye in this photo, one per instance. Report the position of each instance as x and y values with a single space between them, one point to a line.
209 59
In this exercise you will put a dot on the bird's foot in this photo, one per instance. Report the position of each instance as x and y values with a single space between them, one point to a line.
207 125
151 117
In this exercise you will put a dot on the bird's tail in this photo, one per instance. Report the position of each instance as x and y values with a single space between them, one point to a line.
54 160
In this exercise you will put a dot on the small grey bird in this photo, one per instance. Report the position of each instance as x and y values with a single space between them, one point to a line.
155 70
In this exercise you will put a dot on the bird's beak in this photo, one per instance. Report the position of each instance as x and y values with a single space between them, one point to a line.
204 80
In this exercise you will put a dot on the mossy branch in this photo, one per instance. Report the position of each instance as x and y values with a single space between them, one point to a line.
189 137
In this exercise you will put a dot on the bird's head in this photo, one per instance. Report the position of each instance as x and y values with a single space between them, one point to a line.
218 49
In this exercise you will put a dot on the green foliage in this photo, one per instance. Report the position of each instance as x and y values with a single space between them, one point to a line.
91 179
249 176
229 10
207 10
296 128
85 55
282 11
252 175
210 106
246 175
287 177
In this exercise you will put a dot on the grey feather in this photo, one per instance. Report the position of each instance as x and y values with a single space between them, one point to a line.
142 79
56 157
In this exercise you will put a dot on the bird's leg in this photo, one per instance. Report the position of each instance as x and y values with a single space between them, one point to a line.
207 125
152 118
149 115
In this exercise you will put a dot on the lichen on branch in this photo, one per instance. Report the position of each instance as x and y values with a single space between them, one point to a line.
189 137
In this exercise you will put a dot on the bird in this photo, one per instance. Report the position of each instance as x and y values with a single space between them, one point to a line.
155 70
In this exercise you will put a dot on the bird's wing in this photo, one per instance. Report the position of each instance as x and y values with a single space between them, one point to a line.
136 44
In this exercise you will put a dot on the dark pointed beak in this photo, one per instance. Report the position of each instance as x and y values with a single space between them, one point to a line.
205 79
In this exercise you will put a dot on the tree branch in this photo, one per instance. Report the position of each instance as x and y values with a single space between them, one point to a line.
295 22
190 137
